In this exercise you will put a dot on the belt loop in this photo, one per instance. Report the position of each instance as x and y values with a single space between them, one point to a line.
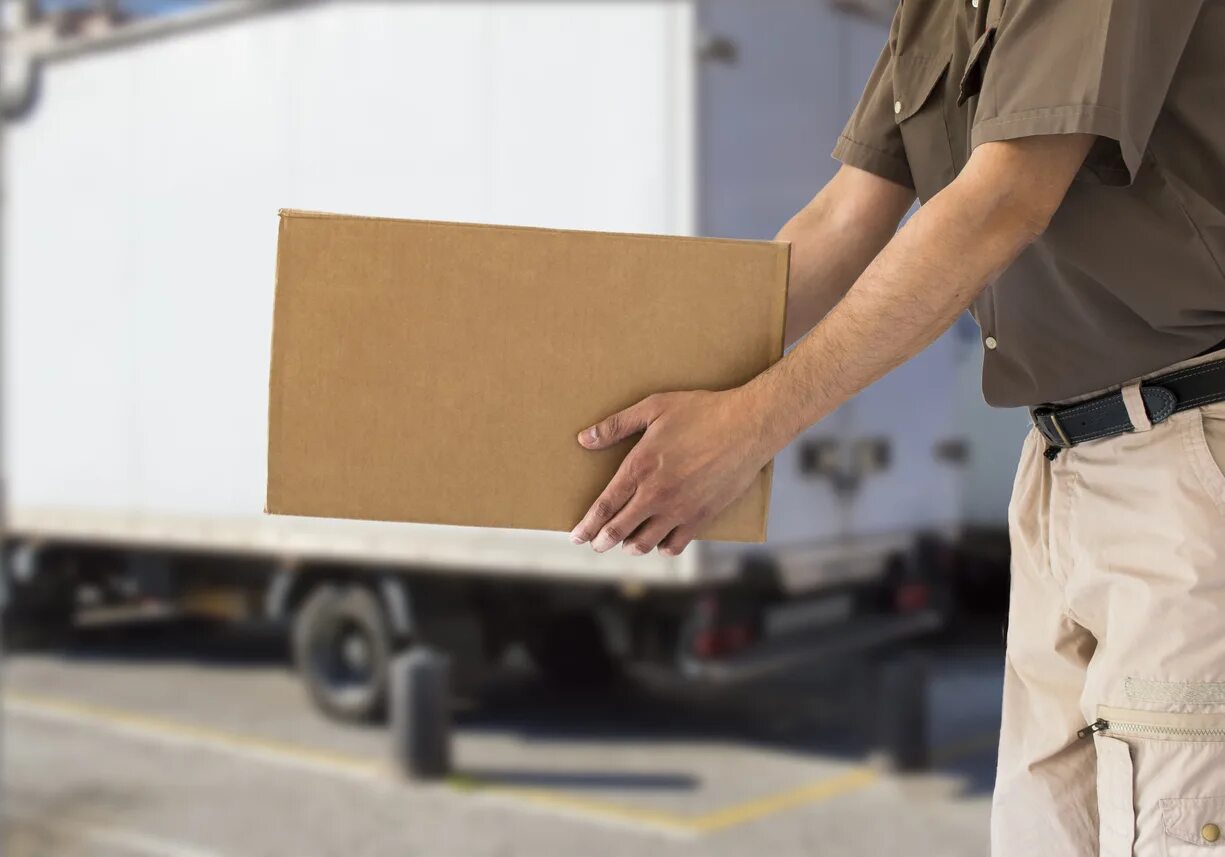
1136 411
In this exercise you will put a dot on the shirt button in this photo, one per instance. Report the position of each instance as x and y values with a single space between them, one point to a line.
1210 832
990 343
897 107
974 3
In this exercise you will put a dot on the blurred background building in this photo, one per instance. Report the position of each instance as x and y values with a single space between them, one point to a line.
736 697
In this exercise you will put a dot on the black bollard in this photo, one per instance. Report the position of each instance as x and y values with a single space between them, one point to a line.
902 713
421 714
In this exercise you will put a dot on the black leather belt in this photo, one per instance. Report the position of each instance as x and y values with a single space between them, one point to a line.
1106 415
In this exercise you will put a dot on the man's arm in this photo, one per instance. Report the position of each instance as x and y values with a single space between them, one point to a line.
700 450
834 238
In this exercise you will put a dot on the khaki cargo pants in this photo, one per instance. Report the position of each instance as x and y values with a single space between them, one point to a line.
1118 615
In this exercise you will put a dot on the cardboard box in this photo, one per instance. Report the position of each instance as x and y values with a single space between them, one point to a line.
439 373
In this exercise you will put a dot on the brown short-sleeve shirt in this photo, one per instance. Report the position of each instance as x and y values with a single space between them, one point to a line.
1130 274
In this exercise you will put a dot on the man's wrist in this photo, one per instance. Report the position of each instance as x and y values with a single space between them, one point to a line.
773 415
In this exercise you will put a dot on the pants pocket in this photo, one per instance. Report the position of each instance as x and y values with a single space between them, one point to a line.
1205 441
1161 783
1194 825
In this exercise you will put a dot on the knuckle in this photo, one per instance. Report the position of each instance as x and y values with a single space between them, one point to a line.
660 402
612 531
665 494
645 466
604 509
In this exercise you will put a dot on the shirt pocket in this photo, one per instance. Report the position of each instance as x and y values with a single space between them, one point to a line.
919 113
1160 783
976 67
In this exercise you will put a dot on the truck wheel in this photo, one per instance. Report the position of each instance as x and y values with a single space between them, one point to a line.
39 613
901 701
36 630
571 651
342 645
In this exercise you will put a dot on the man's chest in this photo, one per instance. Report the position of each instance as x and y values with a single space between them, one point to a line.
941 49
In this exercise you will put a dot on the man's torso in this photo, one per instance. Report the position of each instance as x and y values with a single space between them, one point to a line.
1128 276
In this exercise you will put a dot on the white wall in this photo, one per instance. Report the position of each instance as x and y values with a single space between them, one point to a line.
141 228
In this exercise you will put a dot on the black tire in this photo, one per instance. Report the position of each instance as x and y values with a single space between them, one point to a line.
571 650
40 614
342 645
33 631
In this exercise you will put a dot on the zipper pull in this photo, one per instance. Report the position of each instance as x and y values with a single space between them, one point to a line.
1093 728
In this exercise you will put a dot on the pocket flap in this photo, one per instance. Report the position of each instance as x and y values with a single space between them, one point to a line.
1198 820
1115 798
976 67
914 80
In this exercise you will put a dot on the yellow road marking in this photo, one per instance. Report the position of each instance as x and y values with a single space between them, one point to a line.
722 819
733 816
142 725
634 816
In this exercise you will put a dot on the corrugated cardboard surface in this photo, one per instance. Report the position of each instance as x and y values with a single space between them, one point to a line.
439 373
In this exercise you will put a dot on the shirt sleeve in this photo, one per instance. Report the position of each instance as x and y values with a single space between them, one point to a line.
871 140
1098 67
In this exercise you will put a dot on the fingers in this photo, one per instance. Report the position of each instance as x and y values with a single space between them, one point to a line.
620 527
646 537
620 425
678 540
619 492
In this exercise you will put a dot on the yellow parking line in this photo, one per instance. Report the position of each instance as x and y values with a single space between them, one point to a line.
604 810
734 815
730 816
143 725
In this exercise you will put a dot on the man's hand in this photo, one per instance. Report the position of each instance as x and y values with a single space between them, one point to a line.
699 451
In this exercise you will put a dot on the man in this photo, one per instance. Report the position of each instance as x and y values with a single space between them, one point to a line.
1069 156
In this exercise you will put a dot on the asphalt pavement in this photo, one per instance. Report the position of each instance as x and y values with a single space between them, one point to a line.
180 741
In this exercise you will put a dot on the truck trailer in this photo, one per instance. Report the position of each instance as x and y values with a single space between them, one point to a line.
145 163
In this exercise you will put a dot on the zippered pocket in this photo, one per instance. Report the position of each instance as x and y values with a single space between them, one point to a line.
1160 782
1156 725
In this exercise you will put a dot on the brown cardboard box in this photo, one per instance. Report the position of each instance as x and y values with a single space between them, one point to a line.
439 372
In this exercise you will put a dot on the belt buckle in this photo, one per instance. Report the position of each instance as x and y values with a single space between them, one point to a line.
1050 414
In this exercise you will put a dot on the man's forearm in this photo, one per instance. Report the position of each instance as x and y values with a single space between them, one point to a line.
834 238
700 450
910 294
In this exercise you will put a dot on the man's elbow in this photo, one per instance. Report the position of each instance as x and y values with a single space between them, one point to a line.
1032 213
1003 212
1021 184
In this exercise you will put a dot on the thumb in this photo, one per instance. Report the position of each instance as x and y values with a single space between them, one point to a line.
619 426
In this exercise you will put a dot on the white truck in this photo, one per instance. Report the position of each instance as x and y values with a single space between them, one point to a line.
145 162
